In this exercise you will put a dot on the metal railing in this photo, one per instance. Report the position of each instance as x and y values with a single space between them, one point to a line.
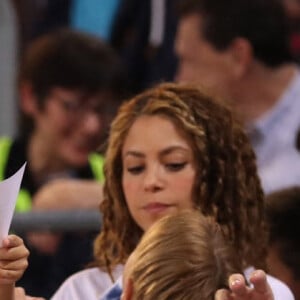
57 221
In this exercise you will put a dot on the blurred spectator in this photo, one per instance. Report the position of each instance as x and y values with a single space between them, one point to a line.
70 87
38 17
144 33
293 11
239 50
33 18
283 215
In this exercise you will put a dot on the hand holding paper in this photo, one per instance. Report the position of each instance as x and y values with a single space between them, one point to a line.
9 190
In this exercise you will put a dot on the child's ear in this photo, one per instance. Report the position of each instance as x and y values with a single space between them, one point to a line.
127 290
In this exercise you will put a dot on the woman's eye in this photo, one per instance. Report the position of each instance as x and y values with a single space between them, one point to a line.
135 170
176 166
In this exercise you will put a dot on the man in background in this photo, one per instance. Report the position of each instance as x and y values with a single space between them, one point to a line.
239 50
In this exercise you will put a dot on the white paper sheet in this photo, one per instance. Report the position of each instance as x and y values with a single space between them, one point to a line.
9 190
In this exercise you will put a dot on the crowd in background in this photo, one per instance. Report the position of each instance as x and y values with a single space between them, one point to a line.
67 65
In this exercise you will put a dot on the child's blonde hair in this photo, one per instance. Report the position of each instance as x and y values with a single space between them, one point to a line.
182 256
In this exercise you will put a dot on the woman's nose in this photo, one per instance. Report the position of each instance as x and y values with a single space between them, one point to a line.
153 181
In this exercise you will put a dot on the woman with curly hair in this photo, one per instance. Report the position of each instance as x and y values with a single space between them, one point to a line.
174 148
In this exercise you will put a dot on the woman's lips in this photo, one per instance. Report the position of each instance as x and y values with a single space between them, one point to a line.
156 208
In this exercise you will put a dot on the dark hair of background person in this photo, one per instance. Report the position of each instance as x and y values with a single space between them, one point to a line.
283 217
262 22
147 64
72 60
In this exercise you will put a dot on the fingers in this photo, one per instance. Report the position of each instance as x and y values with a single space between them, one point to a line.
18 264
238 289
259 280
10 276
223 294
12 241
237 285
13 259
13 249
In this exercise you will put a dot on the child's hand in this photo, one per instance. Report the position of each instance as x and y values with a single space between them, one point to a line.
261 290
13 259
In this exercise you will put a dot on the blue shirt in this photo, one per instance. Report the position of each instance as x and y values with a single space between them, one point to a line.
115 292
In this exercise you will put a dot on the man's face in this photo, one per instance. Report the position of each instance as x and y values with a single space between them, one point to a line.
70 126
199 62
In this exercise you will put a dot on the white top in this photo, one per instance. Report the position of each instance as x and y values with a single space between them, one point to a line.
93 284
89 284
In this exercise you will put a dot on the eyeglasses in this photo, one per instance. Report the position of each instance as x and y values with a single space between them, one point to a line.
77 107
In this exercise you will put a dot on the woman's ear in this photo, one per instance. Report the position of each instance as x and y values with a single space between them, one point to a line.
127 290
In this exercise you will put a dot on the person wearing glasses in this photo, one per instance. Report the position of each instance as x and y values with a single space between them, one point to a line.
70 85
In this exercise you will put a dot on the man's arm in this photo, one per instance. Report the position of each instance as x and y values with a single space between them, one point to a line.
62 194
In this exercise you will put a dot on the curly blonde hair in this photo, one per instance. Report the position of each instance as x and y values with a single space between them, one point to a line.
226 187
182 256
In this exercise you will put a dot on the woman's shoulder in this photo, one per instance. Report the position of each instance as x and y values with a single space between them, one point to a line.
87 284
280 289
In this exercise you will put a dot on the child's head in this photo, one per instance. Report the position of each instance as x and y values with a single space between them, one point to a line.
173 148
182 256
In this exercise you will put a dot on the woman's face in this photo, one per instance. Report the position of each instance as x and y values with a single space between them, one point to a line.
158 170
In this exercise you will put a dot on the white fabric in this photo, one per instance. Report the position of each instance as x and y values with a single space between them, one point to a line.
88 284
280 290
